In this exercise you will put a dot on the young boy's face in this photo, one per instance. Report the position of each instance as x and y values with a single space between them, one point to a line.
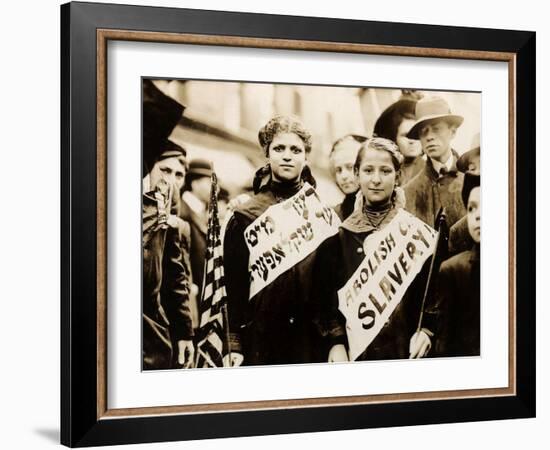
474 214
436 136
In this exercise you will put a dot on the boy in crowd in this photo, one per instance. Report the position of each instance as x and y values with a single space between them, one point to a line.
458 292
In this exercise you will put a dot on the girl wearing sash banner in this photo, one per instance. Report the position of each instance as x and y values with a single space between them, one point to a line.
370 275
272 316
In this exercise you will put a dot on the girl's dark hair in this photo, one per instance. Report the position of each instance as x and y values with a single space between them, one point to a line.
378 143
387 124
283 124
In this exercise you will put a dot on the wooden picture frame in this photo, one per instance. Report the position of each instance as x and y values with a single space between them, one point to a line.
85 416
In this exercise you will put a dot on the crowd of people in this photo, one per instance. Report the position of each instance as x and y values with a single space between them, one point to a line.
408 165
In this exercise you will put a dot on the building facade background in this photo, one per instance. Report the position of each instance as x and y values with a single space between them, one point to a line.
222 119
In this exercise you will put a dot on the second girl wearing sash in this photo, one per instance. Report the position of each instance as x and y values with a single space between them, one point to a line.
377 169
278 325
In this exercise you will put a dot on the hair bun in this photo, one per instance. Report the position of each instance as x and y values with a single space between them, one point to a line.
283 124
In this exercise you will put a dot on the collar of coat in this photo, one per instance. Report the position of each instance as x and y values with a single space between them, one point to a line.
435 175
265 198
357 222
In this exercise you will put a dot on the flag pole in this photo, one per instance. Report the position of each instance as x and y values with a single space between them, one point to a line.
213 340
226 326
441 220
213 184
225 313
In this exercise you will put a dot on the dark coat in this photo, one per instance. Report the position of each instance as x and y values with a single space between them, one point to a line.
428 191
409 169
166 288
279 324
344 209
459 237
338 259
198 226
457 299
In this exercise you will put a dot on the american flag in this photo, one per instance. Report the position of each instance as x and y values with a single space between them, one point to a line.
213 340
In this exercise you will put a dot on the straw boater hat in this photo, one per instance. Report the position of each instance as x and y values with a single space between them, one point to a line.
464 161
432 108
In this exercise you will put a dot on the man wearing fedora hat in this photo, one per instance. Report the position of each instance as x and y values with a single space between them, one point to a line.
194 210
439 184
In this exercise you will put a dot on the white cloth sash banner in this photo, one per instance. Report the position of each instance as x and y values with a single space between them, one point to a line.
393 258
285 234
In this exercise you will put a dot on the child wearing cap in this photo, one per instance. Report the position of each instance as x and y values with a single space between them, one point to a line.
167 335
469 162
457 302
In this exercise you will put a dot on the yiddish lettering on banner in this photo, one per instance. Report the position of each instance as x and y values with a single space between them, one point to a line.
285 234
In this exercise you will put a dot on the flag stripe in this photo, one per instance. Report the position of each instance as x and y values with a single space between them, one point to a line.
211 347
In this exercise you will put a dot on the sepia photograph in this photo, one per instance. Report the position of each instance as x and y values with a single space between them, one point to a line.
271 224
297 224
